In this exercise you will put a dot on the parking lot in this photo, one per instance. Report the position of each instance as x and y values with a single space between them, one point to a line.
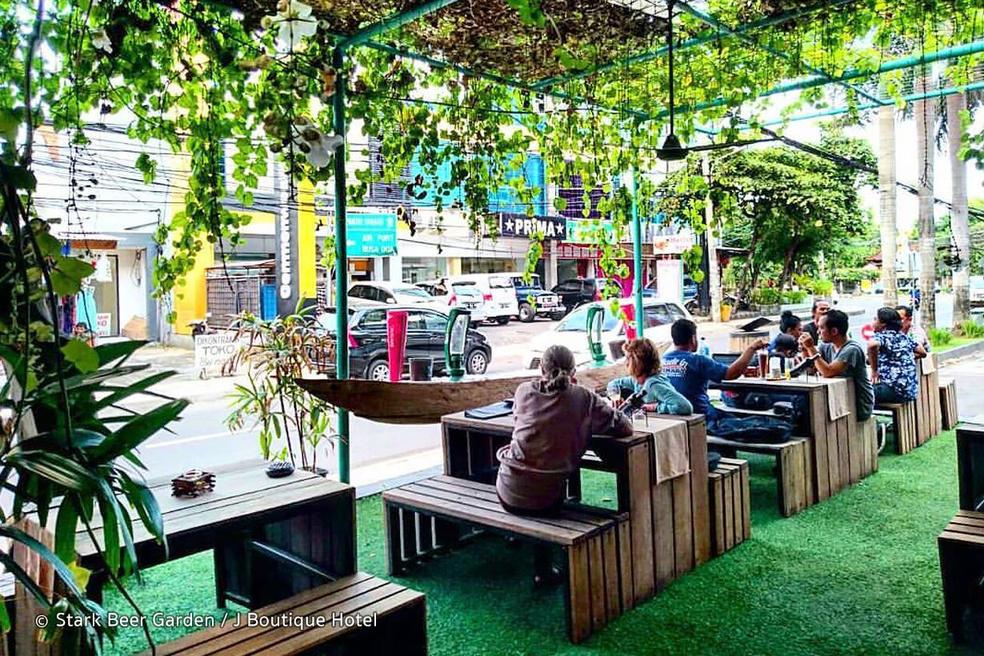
509 342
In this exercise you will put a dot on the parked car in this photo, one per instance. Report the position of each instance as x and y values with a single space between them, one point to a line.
977 290
534 301
368 353
497 292
572 329
464 295
575 292
368 294
689 289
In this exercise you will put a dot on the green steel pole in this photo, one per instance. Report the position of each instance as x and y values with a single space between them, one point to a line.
636 253
341 262
912 97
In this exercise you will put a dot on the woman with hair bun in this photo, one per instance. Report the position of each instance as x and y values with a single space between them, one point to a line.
553 419
789 324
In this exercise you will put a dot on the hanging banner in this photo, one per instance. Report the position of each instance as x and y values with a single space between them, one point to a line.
672 244
526 227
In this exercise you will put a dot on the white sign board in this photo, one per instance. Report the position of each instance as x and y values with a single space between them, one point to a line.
214 353
669 279
104 321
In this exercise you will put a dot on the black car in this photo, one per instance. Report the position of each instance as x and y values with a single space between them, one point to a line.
578 291
425 338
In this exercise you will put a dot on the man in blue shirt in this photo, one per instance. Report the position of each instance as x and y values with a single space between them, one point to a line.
690 373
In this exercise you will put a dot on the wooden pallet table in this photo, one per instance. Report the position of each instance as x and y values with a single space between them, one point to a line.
669 523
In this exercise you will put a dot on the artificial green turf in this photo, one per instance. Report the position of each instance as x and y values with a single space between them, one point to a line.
856 574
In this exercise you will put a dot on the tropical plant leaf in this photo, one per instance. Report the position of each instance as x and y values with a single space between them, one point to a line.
80 354
65 525
63 572
55 468
137 430
113 351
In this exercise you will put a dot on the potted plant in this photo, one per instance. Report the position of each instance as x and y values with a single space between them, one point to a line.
294 425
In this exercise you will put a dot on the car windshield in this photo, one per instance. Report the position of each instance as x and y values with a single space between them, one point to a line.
534 281
410 293
577 321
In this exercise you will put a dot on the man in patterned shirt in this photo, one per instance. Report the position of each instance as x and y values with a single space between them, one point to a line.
892 356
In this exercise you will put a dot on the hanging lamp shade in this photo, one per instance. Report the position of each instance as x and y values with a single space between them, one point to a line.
671 150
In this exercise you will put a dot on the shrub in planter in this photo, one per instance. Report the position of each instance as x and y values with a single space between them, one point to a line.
940 337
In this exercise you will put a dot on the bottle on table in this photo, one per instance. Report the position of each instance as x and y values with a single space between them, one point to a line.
704 349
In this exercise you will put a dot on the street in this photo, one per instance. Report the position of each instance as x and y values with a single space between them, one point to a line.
379 451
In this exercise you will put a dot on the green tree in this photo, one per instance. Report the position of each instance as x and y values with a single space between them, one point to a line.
786 206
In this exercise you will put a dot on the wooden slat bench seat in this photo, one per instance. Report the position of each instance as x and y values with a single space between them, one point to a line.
794 475
948 403
424 516
961 547
730 505
355 614
904 425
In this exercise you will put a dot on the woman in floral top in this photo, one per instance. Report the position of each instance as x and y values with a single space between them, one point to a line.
892 356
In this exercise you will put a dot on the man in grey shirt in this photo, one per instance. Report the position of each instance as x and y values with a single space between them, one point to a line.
841 357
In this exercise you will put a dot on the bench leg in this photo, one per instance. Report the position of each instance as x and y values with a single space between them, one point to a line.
394 542
578 593
791 476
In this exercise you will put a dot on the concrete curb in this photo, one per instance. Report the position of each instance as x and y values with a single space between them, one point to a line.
388 484
961 352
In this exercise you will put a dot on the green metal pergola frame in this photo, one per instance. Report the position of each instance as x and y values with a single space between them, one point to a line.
368 36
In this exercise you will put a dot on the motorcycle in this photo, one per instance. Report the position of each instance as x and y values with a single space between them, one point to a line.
201 327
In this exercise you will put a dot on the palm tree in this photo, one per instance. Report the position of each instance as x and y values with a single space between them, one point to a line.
925 116
959 225
886 201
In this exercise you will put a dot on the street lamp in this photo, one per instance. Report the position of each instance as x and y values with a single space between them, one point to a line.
455 338
595 324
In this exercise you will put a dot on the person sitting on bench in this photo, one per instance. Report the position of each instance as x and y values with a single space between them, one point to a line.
553 419
892 355
840 357
690 373
642 362
911 329
789 325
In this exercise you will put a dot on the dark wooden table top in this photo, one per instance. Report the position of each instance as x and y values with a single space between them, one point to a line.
643 430
242 491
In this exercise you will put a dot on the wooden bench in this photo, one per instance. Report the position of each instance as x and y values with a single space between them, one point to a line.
904 424
355 614
961 546
794 475
595 543
948 403
730 505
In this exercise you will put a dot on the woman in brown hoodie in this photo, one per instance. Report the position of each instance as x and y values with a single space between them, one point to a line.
554 418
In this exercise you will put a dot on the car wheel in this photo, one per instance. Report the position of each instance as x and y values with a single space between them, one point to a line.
476 362
502 321
557 316
378 370
526 313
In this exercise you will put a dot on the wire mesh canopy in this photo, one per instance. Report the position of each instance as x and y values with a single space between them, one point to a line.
590 49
